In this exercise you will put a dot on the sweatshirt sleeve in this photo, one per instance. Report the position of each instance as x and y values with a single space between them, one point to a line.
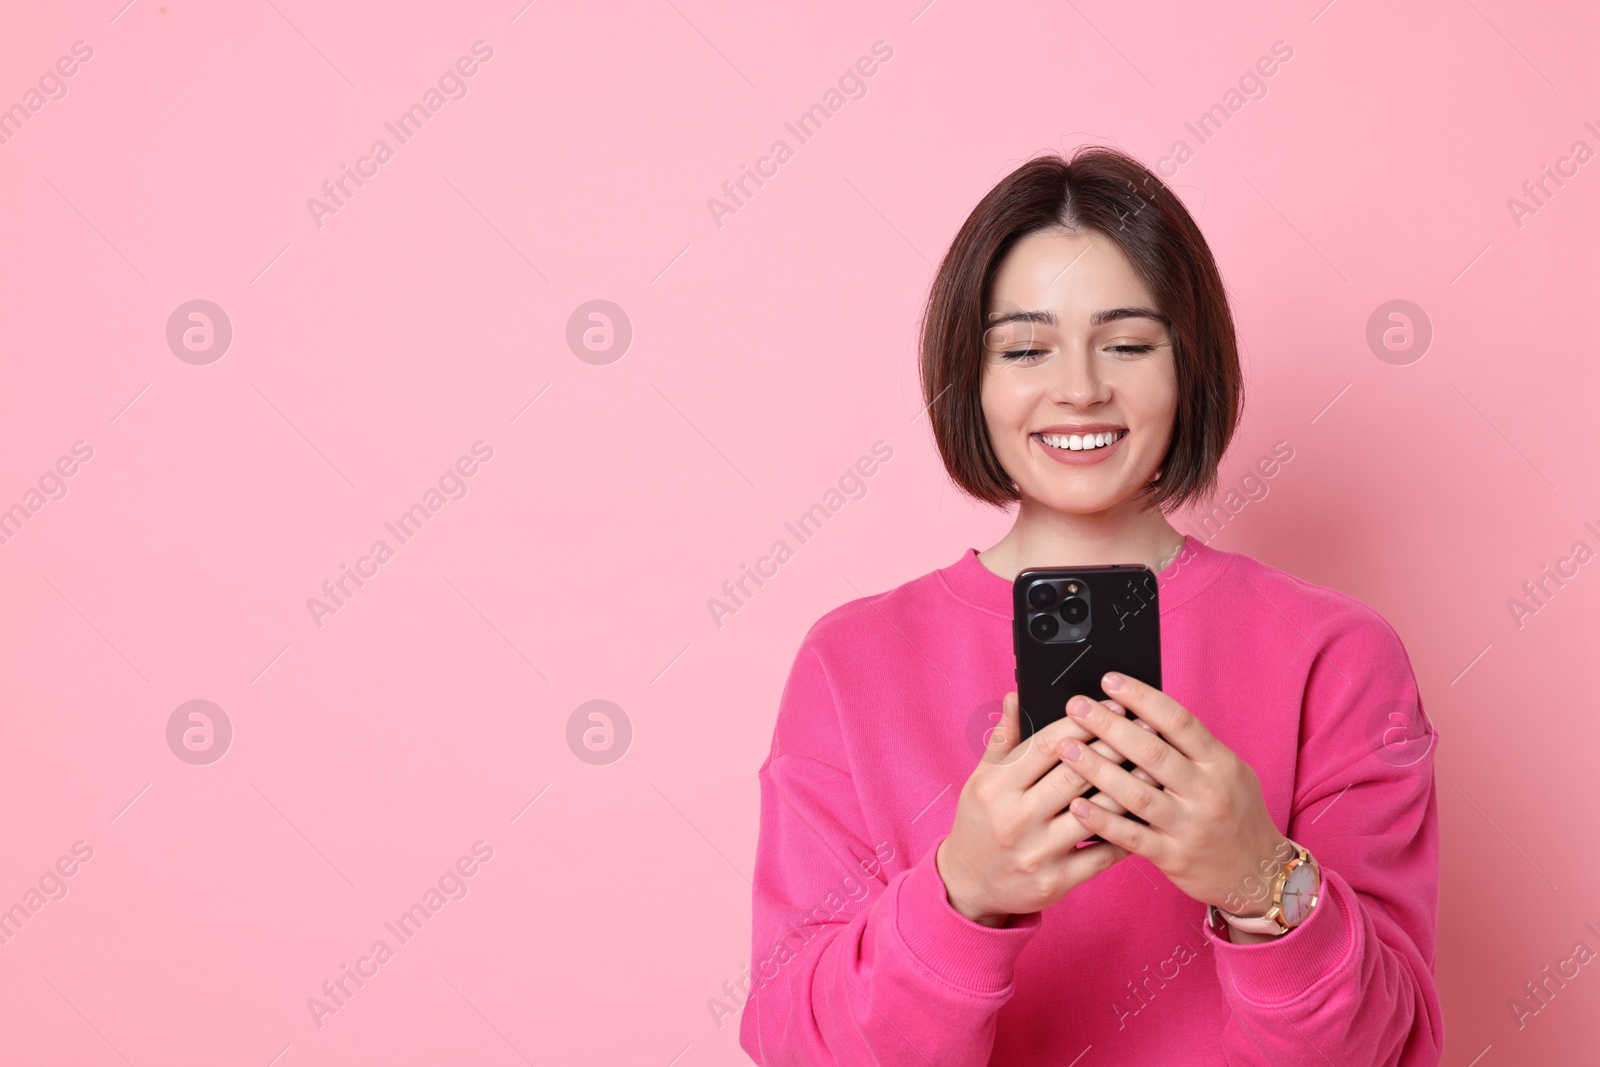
857 955
1354 983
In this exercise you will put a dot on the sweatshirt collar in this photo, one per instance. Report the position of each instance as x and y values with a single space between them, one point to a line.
1194 568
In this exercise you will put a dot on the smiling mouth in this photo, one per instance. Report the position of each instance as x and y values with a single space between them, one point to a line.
1081 442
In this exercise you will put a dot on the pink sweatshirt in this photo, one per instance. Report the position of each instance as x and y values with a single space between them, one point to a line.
860 959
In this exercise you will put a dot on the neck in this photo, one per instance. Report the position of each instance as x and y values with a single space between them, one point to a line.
1045 537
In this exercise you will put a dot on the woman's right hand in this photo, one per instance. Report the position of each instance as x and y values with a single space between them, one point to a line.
1012 849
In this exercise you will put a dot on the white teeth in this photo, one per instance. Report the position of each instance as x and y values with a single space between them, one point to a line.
1080 442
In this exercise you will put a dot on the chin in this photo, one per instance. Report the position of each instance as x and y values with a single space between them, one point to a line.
1078 503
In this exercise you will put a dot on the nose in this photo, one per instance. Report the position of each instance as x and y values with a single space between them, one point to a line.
1078 381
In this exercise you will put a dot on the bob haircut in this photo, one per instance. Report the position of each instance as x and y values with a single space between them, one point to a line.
1103 190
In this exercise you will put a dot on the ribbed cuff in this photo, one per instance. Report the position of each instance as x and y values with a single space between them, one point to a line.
1289 966
969 955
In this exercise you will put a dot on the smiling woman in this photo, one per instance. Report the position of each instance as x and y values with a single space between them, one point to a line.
1064 315
1079 361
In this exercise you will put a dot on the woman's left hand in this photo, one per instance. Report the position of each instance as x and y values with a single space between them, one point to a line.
1209 830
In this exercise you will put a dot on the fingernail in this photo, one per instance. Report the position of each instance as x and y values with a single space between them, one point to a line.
1146 725
1072 750
1080 808
1078 707
1112 682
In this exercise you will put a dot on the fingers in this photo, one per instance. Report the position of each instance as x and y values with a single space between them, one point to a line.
1076 863
1172 720
1118 831
1025 763
1065 838
1163 762
1049 796
1069 727
1007 746
1028 761
1138 772
1140 798
1005 737
1107 751
1110 753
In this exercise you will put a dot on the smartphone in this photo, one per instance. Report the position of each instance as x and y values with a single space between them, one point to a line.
1069 626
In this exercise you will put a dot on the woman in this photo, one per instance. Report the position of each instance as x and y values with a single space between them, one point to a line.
1278 903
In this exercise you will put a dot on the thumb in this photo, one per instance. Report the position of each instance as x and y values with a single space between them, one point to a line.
1007 734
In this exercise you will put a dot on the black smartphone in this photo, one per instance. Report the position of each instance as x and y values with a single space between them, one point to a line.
1069 626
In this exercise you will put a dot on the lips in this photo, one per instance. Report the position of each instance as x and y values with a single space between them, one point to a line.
1082 427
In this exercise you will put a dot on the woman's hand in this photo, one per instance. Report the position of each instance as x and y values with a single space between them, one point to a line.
1012 849
1209 830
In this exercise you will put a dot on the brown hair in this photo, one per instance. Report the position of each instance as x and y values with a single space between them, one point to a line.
1103 190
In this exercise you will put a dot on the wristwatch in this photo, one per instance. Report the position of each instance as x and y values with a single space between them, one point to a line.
1294 893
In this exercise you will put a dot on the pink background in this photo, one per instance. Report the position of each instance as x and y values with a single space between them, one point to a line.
371 352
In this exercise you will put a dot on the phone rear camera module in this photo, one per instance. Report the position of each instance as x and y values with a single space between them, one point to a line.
1074 610
1043 627
1043 595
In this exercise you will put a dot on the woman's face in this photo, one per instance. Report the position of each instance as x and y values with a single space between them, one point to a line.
1074 347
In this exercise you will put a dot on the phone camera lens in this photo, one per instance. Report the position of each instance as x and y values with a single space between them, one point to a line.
1043 595
1043 627
1074 610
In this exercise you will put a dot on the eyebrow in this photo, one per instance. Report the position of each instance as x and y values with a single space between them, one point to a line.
1099 318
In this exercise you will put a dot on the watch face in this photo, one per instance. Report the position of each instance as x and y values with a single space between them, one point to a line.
1299 893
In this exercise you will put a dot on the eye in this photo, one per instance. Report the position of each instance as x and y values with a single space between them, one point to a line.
1131 350
1026 355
